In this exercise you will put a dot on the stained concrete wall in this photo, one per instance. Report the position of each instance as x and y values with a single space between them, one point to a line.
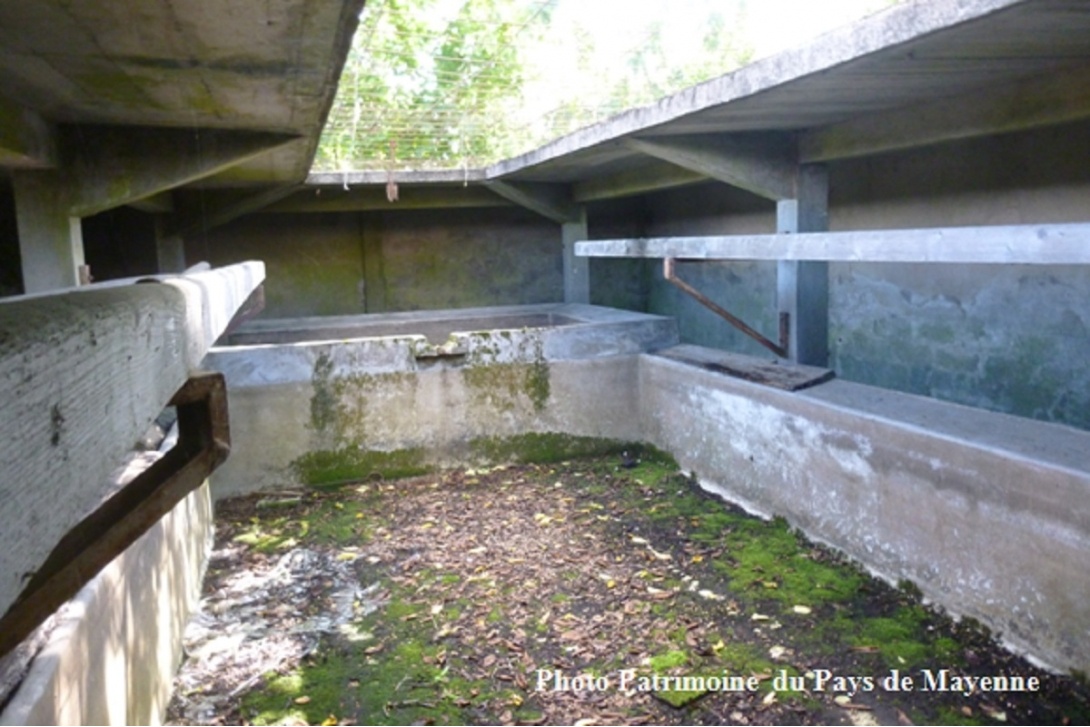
299 404
1013 339
986 513
345 263
435 259
313 263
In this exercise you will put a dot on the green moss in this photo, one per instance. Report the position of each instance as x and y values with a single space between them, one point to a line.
504 370
323 404
543 447
503 385
669 660
769 560
325 468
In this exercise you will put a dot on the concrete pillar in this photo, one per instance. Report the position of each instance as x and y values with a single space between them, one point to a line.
50 238
802 287
576 269
169 248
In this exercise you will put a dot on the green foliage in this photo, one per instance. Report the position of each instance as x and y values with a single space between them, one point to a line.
421 88
441 84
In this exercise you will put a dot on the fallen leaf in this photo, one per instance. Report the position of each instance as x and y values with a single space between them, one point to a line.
804 610
759 617
329 721
769 699
302 700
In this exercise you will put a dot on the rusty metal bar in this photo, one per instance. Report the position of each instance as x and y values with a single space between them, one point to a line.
778 349
204 442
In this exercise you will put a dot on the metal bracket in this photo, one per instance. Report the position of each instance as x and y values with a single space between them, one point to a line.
785 320
204 442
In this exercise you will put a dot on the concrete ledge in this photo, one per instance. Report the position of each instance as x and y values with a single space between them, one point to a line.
988 514
1058 244
82 375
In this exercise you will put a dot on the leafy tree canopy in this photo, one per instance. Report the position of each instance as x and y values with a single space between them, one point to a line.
462 83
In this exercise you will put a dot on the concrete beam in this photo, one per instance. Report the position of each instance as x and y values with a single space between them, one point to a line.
369 199
158 204
1051 99
114 165
27 141
1063 244
548 200
224 213
654 178
84 373
764 164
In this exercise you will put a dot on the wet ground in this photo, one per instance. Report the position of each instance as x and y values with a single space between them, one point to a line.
605 590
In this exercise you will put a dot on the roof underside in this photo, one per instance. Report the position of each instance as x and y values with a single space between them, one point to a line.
915 52
249 65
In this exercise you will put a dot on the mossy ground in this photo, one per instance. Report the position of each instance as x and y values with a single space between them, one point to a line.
589 567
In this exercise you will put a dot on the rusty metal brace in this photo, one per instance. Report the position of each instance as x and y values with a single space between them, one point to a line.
204 442
785 318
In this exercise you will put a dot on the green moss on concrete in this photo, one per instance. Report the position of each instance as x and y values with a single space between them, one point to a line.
540 447
505 386
323 403
330 468
505 370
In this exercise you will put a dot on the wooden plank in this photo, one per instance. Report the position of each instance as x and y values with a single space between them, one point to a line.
82 375
1061 244
776 373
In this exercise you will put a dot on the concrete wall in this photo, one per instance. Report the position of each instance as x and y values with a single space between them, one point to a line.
988 514
302 411
117 645
344 263
1009 338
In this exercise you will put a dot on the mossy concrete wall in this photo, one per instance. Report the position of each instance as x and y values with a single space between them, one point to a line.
314 263
368 262
1013 339
320 413
986 513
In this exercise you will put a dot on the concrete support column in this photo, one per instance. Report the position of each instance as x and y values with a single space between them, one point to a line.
50 238
576 269
169 248
802 287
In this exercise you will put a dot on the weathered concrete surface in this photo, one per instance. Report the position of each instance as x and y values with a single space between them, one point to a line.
388 394
986 513
314 264
118 644
82 375
1053 244
262 66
